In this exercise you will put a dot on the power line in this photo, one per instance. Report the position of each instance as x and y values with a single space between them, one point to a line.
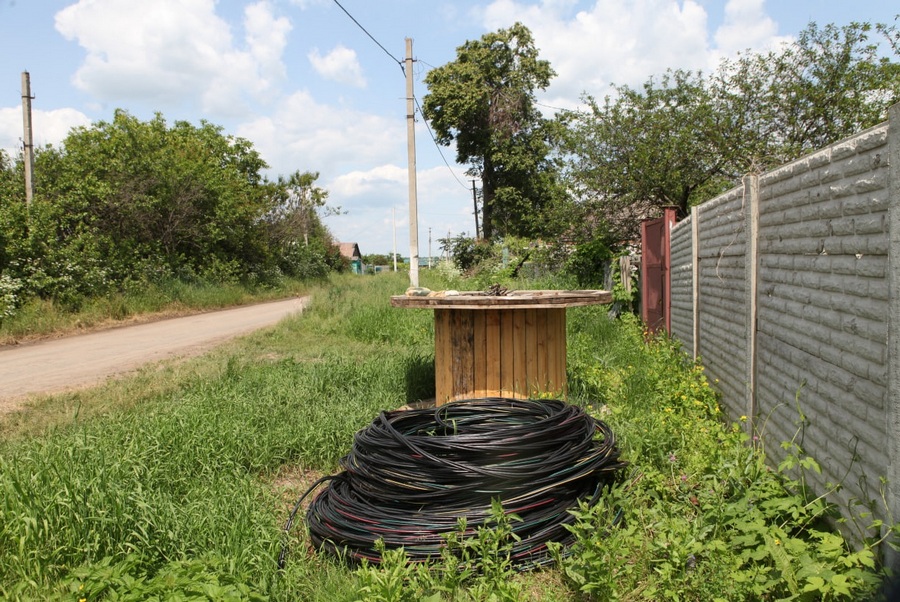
399 62
352 18
438 146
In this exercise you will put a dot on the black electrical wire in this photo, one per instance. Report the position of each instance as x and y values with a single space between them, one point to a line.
411 474
371 37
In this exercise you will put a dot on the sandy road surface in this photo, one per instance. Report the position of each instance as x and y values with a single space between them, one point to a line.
83 360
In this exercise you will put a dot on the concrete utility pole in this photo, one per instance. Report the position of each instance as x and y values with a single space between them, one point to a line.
394 220
28 139
411 151
429 248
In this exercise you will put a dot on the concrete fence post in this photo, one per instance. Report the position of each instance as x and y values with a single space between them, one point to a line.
893 395
751 270
695 278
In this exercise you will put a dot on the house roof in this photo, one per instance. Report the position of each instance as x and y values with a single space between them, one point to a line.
350 250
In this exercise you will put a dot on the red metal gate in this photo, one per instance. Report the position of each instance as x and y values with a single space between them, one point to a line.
655 271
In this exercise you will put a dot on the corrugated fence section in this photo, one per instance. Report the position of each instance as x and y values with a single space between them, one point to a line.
788 289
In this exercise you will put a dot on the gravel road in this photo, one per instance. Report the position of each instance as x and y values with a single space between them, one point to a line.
85 360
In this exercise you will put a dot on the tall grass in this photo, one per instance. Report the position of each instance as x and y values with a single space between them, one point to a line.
183 475
157 487
38 317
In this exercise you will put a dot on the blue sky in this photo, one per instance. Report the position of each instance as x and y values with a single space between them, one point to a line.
314 92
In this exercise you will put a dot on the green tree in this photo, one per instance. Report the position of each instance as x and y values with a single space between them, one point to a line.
133 201
377 259
303 244
685 137
184 196
829 84
484 102
664 144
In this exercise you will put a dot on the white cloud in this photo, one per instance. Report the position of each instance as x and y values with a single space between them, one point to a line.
303 134
612 42
266 38
340 65
389 180
169 52
305 4
625 42
746 25
48 127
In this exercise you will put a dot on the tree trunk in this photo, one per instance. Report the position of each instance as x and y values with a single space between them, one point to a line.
487 200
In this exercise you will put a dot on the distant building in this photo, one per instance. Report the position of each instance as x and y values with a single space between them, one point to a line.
350 250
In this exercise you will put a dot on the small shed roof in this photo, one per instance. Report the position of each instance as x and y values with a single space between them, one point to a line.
350 250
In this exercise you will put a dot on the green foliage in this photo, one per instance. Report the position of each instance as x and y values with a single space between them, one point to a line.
829 84
194 580
484 102
664 144
466 252
185 474
9 300
377 259
172 492
472 566
589 263
128 201
684 137
702 516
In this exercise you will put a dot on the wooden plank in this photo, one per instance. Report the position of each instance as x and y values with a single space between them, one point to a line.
480 354
507 355
443 356
563 356
556 352
531 351
462 339
520 372
540 329
515 299
492 348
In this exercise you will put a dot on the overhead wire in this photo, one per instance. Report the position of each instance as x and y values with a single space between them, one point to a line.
365 31
402 68
411 475
438 146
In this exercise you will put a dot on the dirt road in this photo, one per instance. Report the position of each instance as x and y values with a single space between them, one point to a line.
83 360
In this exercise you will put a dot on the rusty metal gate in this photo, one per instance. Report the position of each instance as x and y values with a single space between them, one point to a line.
656 271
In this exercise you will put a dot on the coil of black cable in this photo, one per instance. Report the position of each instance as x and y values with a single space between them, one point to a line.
411 474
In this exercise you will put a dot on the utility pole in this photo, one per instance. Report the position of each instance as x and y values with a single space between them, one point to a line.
28 140
411 152
475 202
429 247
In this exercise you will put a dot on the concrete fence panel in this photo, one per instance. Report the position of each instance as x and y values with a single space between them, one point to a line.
788 289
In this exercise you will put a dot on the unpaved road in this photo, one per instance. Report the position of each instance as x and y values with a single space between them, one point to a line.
83 360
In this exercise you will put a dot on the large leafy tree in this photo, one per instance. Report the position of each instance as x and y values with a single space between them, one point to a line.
664 144
484 101
682 138
829 84
132 201
185 196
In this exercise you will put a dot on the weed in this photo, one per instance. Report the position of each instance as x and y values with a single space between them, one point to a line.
164 480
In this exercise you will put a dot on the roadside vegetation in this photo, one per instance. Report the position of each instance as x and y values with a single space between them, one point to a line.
39 318
180 478
174 483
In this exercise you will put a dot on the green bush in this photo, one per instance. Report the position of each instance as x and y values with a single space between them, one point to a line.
589 263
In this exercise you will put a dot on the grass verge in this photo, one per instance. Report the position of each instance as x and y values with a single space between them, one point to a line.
176 481
40 319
